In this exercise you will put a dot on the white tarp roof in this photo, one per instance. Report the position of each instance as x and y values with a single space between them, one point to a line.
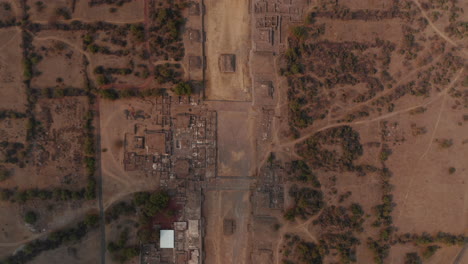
166 239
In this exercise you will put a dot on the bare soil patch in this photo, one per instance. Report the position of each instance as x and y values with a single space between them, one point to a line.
220 205
227 26
12 89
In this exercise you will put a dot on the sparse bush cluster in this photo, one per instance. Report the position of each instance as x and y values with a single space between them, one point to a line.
13 152
150 205
121 208
413 258
4 173
57 194
54 240
31 217
114 94
426 238
341 218
307 202
315 149
168 73
183 88
11 114
165 32
301 171
120 251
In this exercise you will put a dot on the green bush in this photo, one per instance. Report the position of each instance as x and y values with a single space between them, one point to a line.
183 88
4 174
299 32
91 220
110 94
413 258
30 217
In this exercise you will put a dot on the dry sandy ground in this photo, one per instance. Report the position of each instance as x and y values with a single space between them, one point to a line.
12 95
227 26
235 151
65 64
129 13
427 196
116 181
231 205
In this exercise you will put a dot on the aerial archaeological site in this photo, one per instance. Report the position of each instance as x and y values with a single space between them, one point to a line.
233 131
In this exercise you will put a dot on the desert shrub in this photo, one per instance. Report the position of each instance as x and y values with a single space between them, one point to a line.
11 114
413 258
150 204
445 143
30 217
4 174
385 153
90 192
53 241
384 210
138 32
183 88
430 251
121 208
309 252
307 202
110 94
91 220
380 250
304 173
299 32
63 12
319 156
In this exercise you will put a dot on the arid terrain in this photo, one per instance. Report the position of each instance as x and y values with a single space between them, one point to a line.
247 131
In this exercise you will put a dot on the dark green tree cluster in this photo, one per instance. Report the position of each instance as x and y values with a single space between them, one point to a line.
303 173
121 208
320 156
14 152
307 202
166 32
342 218
150 204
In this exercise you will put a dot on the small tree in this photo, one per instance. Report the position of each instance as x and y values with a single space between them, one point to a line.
30 217
183 88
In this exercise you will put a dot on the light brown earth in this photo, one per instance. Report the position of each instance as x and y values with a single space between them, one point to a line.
12 90
220 205
227 26
116 181
235 144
